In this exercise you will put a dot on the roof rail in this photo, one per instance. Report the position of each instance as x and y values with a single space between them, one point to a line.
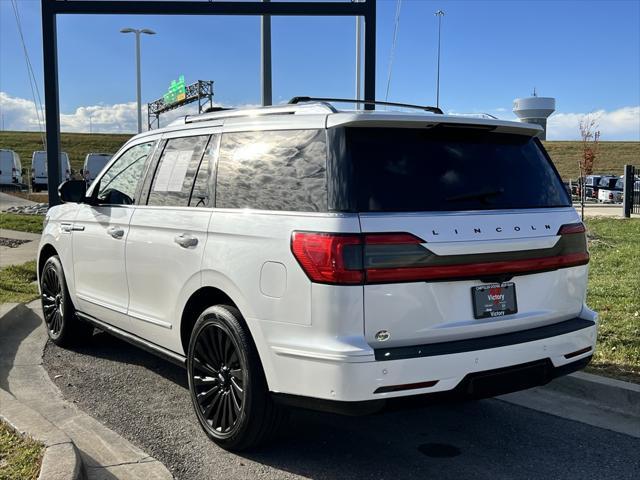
296 100
475 115
286 109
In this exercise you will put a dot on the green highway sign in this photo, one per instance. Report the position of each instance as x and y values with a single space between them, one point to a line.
177 91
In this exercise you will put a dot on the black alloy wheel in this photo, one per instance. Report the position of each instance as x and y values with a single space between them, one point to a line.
227 384
52 299
63 326
219 377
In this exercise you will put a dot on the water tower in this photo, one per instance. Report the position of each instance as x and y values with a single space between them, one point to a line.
535 109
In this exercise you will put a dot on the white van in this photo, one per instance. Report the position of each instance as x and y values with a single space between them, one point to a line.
93 164
300 255
10 167
39 172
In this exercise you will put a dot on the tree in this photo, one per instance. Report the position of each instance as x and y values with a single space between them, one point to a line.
590 136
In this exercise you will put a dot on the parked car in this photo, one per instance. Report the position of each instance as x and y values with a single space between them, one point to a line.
591 184
293 256
10 167
39 170
611 190
93 164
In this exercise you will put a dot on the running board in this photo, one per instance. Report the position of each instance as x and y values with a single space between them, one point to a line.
161 352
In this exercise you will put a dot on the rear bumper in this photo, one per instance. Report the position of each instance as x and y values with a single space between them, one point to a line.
478 368
477 385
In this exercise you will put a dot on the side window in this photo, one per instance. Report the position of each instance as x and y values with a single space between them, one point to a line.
202 195
119 184
176 170
273 170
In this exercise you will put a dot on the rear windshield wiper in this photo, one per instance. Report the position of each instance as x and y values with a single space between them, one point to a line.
483 195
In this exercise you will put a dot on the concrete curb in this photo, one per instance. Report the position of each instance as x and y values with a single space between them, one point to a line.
24 383
61 460
622 397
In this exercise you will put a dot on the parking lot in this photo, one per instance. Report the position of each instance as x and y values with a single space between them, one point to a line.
146 400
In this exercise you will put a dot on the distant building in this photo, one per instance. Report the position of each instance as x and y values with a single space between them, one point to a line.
535 109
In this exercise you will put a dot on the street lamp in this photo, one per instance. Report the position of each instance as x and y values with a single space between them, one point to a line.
138 32
438 14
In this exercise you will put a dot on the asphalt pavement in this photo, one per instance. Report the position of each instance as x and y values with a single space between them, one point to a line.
145 399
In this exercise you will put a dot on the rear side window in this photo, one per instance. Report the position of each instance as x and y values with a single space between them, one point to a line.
273 170
174 176
449 169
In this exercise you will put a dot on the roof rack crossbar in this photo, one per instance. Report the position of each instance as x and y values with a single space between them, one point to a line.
296 100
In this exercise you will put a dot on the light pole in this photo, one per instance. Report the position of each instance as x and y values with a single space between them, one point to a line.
138 32
438 14
358 52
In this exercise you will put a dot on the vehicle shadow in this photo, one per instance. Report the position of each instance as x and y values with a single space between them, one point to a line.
15 327
481 439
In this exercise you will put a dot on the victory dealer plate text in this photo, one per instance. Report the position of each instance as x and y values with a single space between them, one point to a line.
494 300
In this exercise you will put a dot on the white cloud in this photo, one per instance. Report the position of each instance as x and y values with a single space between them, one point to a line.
20 114
620 124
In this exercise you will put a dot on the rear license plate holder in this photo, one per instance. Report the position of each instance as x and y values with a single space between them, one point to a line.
494 300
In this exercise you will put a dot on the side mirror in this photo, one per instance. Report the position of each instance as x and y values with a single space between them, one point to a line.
72 191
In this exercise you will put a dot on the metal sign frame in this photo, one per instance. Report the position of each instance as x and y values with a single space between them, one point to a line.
52 8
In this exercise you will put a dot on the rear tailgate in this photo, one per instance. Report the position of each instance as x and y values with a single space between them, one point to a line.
458 252
449 208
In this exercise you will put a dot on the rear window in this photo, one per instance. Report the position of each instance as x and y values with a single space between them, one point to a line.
448 169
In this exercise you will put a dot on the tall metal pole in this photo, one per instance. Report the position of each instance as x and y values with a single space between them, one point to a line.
358 59
52 112
265 50
370 54
438 14
138 81
138 32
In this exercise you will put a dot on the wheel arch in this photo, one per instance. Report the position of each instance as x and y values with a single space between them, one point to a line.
46 251
198 302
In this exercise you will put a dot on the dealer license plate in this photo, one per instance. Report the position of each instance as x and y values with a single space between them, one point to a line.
494 300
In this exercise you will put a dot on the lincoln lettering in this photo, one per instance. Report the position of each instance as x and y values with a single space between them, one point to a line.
478 230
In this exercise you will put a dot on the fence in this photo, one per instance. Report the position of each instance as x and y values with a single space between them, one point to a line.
631 195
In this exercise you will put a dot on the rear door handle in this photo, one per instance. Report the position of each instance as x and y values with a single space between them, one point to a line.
115 232
186 241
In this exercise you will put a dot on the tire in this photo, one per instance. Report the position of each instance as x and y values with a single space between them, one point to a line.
227 384
63 327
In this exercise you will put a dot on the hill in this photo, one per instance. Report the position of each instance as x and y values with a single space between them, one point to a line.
77 145
613 155
611 158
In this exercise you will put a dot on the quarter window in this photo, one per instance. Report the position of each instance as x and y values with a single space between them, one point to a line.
202 195
273 170
176 170
119 183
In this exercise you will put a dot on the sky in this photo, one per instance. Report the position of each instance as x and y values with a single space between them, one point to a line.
584 53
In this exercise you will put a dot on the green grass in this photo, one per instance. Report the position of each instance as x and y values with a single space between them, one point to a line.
20 456
16 283
614 292
21 223
77 145
612 157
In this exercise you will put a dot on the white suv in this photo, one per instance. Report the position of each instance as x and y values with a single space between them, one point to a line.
337 260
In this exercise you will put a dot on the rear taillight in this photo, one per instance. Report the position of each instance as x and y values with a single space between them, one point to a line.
570 228
329 258
354 259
